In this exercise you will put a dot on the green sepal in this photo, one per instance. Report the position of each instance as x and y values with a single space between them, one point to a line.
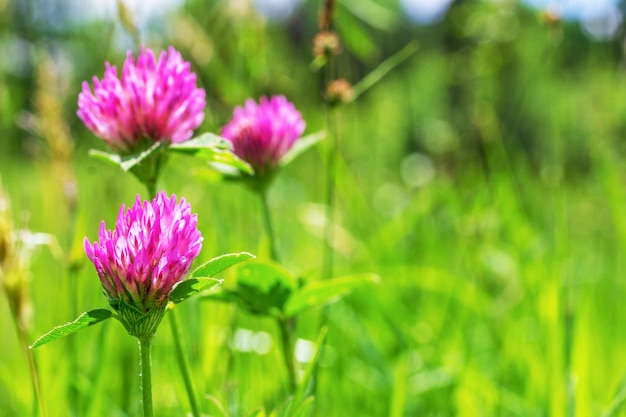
138 323
191 287
86 319
213 149
300 146
220 264
319 293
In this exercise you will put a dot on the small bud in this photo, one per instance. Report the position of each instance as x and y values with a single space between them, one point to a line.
326 45
338 92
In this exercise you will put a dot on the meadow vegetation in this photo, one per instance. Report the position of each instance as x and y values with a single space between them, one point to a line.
482 179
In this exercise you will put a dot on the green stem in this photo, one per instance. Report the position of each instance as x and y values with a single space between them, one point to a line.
267 219
73 392
39 408
183 364
331 172
145 365
285 334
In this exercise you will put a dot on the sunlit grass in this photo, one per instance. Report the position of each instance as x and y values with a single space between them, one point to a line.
502 269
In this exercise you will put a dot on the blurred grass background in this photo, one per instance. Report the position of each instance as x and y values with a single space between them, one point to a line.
483 180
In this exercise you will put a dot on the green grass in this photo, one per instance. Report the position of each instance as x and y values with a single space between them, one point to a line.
502 279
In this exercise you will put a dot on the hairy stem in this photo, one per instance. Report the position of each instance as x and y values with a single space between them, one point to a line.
145 366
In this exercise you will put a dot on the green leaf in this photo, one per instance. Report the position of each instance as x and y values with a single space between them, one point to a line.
221 263
86 319
125 162
225 296
264 286
305 409
131 161
319 293
310 368
372 13
217 404
301 145
356 39
380 71
617 401
205 141
190 287
110 158
213 149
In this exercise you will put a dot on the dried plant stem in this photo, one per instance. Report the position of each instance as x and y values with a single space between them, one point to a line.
145 366
183 364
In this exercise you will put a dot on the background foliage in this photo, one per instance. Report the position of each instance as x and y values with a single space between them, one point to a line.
483 180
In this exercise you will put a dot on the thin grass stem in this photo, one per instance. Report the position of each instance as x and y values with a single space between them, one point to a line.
285 334
267 219
39 408
331 172
183 364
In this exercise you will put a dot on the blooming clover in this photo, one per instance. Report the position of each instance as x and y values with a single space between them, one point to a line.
149 251
262 133
154 100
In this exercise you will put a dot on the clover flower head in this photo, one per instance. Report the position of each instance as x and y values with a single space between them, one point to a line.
149 251
155 100
262 133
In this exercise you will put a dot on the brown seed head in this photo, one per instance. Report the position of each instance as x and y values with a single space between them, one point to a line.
338 92
326 45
